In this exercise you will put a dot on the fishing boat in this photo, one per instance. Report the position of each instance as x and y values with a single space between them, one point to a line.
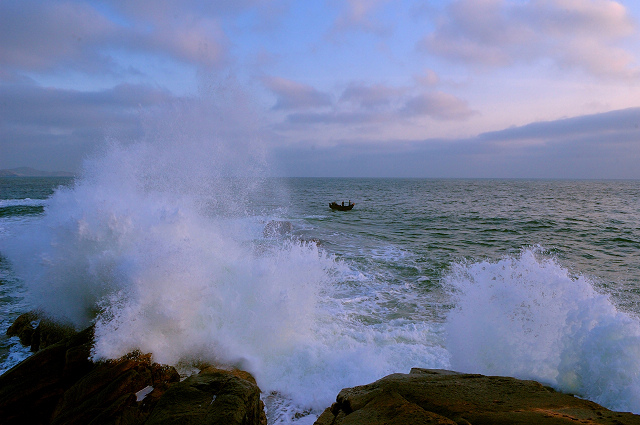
341 207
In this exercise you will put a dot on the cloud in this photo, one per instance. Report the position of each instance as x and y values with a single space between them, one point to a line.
93 45
603 126
196 41
34 105
577 34
438 105
42 35
189 31
294 95
428 78
158 10
357 15
337 118
370 96
605 145
361 104
44 126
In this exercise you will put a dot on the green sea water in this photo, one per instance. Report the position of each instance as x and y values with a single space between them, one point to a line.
591 227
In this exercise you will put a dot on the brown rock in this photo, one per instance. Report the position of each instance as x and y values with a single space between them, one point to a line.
23 328
30 391
61 385
107 393
386 408
235 372
47 332
442 397
211 397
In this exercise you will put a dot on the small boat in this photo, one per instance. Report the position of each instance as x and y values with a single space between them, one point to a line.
343 207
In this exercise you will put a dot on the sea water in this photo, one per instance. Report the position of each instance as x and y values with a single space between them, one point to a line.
170 249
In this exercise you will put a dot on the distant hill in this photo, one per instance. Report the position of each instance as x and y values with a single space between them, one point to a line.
31 172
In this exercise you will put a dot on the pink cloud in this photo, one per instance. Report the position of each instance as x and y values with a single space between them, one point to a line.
371 96
438 105
198 41
582 34
294 95
359 15
40 36
48 33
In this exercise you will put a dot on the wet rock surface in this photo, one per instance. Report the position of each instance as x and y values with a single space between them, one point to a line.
59 384
37 331
210 397
427 396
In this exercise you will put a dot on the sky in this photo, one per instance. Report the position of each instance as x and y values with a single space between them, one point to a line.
337 88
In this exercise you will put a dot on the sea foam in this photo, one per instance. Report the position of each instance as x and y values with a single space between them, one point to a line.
528 317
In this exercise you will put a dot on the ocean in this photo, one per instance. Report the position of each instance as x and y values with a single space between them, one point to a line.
536 279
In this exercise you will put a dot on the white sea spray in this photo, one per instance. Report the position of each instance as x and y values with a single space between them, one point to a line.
528 317
156 243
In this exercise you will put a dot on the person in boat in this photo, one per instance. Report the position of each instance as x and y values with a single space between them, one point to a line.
343 203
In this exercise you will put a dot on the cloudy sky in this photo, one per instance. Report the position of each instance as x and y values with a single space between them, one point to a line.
441 88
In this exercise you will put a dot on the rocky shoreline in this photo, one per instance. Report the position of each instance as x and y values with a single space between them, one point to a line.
58 384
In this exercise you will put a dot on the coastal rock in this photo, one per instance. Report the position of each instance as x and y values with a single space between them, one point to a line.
30 391
37 331
23 327
48 333
109 392
213 396
59 384
427 396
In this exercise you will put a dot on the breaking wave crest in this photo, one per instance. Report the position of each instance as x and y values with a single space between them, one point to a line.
528 317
